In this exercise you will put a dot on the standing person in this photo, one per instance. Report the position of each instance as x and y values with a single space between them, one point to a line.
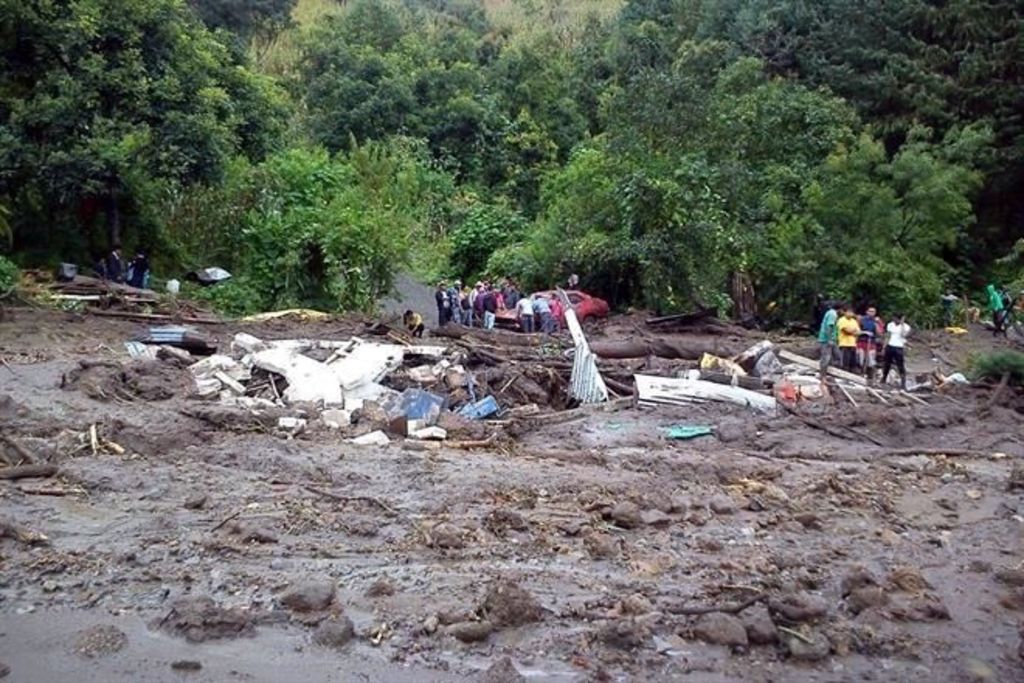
574 281
414 323
849 330
541 313
466 307
995 304
478 303
490 308
867 350
512 297
896 333
115 264
827 337
525 310
443 304
138 271
556 314
453 300
949 300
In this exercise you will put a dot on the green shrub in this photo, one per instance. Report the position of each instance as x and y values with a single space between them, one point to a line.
992 366
8 275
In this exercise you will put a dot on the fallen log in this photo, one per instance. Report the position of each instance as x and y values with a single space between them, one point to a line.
951 452
752 383
498 337
688 610
22 452
152 316
8 529
657 347
815 365
28 471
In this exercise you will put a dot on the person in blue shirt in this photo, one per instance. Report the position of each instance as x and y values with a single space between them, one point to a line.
828 336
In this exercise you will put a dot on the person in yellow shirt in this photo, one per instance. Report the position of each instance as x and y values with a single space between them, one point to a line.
849 329
414 323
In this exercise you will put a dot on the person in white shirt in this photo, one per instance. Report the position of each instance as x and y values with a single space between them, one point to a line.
525 309
896 333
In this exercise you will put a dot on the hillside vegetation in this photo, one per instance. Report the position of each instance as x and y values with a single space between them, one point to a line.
867 150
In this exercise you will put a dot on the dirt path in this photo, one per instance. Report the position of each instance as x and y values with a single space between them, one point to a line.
576 549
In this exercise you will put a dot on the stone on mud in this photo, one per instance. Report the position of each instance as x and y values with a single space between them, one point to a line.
625 515
857 577
627 634
309 596
723 505
864 598
380 588
470 631
759 625
816 649
601 545
199 618
445 535
336 632
100 640
721 629
502 671
508 604
795 608
654 517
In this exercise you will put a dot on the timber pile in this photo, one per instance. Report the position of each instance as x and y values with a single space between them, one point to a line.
118 300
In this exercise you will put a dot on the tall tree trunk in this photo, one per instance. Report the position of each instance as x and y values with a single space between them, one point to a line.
113 216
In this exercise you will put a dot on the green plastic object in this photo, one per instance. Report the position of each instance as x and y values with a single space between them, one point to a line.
683 432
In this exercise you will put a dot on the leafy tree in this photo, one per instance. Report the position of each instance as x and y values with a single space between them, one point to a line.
245 18
482 229
102 98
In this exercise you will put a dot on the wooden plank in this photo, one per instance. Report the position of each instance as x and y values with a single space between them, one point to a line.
814 365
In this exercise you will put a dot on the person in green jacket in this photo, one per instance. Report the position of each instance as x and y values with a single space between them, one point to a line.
998 308
827 338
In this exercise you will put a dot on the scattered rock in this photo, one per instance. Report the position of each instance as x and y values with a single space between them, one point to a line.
795 608
186 665
759 625
601 545
680 503
721 629
199 618
858 577
253 533
979 671
808 520
1016 480
335 632
380 588
864 598
507 604
626 634
100 640
658 500
908 579
445 536
195 501
625 515
1010 576
723 505
500 520
654 518
924 607
470 631
979 567
430 624
1013 600
309 596
4 670
816 649
502 671
636 605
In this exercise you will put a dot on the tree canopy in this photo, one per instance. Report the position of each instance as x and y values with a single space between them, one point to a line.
870 151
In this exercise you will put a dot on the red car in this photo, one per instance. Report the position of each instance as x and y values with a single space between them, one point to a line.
588 308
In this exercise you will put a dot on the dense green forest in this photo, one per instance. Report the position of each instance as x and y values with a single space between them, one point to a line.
871 150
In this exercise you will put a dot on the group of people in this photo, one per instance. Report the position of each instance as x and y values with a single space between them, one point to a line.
856 341
479 306
135 273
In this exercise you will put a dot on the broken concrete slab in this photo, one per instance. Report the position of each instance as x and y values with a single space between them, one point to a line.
308 380
377 438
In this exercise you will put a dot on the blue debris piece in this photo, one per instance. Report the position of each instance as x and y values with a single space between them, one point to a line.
682 432
478 410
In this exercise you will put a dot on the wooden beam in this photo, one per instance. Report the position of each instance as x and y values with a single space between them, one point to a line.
814 365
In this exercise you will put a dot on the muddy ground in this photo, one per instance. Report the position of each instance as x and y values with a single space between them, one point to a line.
583 549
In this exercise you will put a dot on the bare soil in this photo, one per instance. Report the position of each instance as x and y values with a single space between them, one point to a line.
586 549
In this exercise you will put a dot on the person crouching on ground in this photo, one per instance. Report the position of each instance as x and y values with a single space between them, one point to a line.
896 333
414 323
870 330
849 330
827 339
